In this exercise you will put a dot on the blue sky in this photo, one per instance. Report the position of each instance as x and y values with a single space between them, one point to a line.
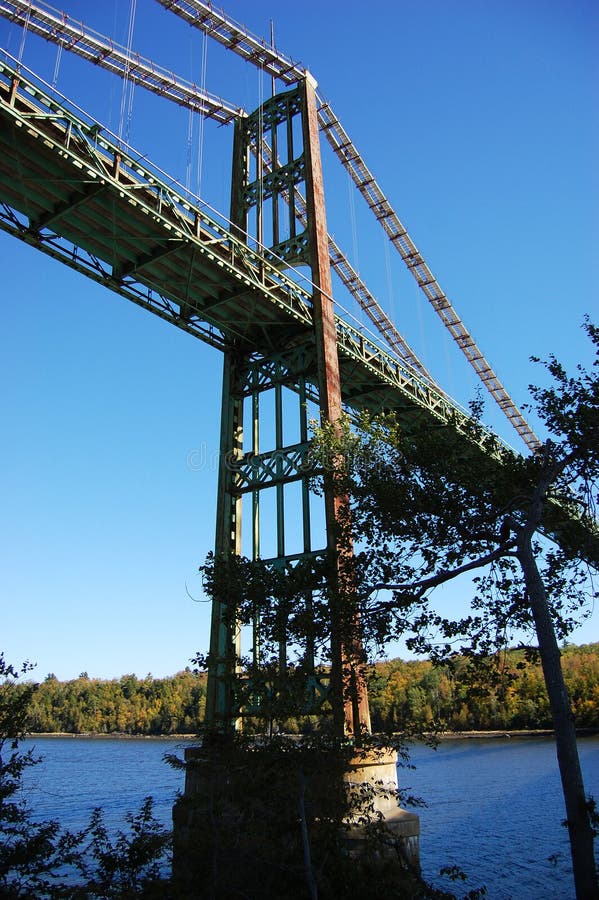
480 123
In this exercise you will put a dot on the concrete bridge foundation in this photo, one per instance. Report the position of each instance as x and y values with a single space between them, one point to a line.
289 813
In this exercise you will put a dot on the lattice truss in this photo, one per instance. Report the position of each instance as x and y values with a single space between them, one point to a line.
278 181
246 475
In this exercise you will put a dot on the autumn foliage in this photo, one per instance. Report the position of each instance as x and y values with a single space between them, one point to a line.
451 697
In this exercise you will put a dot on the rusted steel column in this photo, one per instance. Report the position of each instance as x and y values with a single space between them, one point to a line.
324 318
350 698
238 211
14 87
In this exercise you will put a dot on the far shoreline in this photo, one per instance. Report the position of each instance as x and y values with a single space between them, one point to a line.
525 733
508 735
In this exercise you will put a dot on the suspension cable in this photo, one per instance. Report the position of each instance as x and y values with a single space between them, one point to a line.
260 168
200 161
354 227
24 35
126 81
57 66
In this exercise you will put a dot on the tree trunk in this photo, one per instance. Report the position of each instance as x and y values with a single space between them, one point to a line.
577 812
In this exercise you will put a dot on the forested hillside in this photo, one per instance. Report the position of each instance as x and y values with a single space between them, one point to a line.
400 692
128 705
448 695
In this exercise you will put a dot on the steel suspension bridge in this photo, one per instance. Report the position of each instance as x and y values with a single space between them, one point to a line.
75 192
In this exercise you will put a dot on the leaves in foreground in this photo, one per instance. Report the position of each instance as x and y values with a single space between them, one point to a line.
37 859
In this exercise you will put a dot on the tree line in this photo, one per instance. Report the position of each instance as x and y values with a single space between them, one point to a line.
127 705
415 693
454 697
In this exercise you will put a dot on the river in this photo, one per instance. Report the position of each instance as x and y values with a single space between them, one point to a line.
494 806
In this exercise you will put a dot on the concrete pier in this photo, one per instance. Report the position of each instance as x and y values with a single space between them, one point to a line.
380 771
290 810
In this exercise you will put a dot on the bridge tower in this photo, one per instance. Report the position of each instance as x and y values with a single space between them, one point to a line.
276 150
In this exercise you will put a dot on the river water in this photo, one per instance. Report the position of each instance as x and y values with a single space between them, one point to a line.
494 806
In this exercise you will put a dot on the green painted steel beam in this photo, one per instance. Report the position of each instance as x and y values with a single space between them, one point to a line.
283 465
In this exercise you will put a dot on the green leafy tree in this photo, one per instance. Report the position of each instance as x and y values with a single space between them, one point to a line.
128 704
38 859
31 853
129 864
429 507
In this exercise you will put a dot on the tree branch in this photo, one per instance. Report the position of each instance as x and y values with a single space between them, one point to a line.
424 584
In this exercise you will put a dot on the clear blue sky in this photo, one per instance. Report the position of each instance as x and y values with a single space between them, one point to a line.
479 121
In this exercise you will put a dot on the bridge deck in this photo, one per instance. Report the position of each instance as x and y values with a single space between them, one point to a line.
77 196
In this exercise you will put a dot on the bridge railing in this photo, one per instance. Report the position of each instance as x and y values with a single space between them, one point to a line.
195 220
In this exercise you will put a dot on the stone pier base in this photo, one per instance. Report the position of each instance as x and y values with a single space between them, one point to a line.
380 771
270 821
